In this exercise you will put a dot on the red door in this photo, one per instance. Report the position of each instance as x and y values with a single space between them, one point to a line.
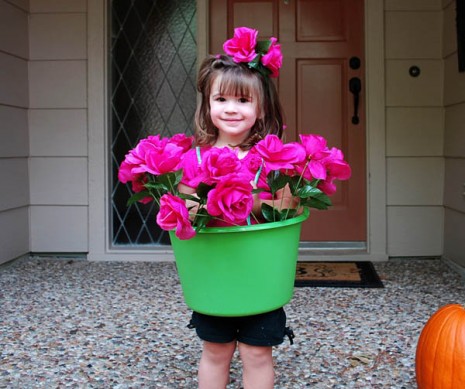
323 67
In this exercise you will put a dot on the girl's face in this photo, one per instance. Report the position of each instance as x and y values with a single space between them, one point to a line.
232 115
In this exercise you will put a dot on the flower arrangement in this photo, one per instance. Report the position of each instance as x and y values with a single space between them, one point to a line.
226 186
264 56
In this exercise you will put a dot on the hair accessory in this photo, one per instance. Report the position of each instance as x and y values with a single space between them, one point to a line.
264 56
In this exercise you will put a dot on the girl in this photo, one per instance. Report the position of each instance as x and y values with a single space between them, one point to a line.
239 106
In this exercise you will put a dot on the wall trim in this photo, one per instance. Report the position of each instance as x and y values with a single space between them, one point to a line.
454 266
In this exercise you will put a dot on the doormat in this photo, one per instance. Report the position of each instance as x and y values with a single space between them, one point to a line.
337 275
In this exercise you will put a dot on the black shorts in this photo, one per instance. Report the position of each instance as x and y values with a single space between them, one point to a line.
265 329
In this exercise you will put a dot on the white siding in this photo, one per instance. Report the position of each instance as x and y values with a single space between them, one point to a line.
454 143
59 229
58 126
66 40
58 132
414 128
14 148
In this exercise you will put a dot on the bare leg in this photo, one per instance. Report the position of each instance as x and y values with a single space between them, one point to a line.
258 372
215 364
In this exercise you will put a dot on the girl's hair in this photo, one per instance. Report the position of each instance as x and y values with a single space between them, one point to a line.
237 79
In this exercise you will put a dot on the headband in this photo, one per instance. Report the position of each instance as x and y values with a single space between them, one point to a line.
263 56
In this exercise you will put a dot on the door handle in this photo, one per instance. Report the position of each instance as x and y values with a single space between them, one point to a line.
355 86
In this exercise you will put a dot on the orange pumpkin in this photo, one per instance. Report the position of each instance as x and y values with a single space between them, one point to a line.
440 357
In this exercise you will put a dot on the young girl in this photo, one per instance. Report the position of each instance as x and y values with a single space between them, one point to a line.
239 106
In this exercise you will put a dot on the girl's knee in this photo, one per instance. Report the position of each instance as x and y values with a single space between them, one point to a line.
256 355
218 352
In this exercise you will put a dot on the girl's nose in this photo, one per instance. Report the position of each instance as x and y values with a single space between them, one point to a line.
230 107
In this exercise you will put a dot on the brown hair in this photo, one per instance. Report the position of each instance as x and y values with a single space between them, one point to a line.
239 80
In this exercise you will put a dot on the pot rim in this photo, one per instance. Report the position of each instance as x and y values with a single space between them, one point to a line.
257 227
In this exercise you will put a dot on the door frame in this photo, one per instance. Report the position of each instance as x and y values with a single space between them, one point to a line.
99 191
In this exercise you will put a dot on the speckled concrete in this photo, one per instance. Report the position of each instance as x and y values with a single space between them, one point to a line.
77 324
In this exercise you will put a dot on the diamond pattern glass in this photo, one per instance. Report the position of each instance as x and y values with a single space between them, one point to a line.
152 91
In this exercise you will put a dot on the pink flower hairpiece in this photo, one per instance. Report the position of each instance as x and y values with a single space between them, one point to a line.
264 56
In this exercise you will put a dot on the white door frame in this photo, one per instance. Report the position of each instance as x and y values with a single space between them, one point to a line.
99 207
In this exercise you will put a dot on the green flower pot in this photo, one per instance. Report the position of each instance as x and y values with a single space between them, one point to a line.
239 271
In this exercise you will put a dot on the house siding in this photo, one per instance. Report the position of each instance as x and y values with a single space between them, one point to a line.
44 133
58 126
14 141
414 128
454 143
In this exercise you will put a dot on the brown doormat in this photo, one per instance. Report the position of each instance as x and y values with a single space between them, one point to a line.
337 274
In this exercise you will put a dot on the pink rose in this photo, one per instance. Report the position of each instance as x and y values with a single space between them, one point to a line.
316 151
217 163
273 59
242 46
183 141
125 173
328 187
165 158
278 155
174 214
231 199
137 155
154 155
336 166
191 171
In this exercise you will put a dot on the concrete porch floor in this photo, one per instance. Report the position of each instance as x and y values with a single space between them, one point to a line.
78 324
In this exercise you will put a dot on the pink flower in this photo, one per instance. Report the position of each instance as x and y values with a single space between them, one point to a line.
251 165
242 46
316 151
183 141
278 155
165 158
337 169
137 155
154 155
273 59
328 187
191 170
217 163
231 199
173 214
125 173
336 166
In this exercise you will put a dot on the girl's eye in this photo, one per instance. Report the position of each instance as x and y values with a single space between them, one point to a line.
221 99
244 100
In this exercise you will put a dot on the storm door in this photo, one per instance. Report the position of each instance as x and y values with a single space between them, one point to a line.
152 64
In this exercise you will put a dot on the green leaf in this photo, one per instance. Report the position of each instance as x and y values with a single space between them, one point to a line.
257 65
294 183
288 213
315 203
156 186
203 189
137 197
270 214
201 219
170 180
186 196
276 180
262 47
308 191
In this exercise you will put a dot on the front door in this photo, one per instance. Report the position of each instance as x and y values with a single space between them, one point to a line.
321 88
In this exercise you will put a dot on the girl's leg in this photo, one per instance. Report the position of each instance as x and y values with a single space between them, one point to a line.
257 361
215 364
